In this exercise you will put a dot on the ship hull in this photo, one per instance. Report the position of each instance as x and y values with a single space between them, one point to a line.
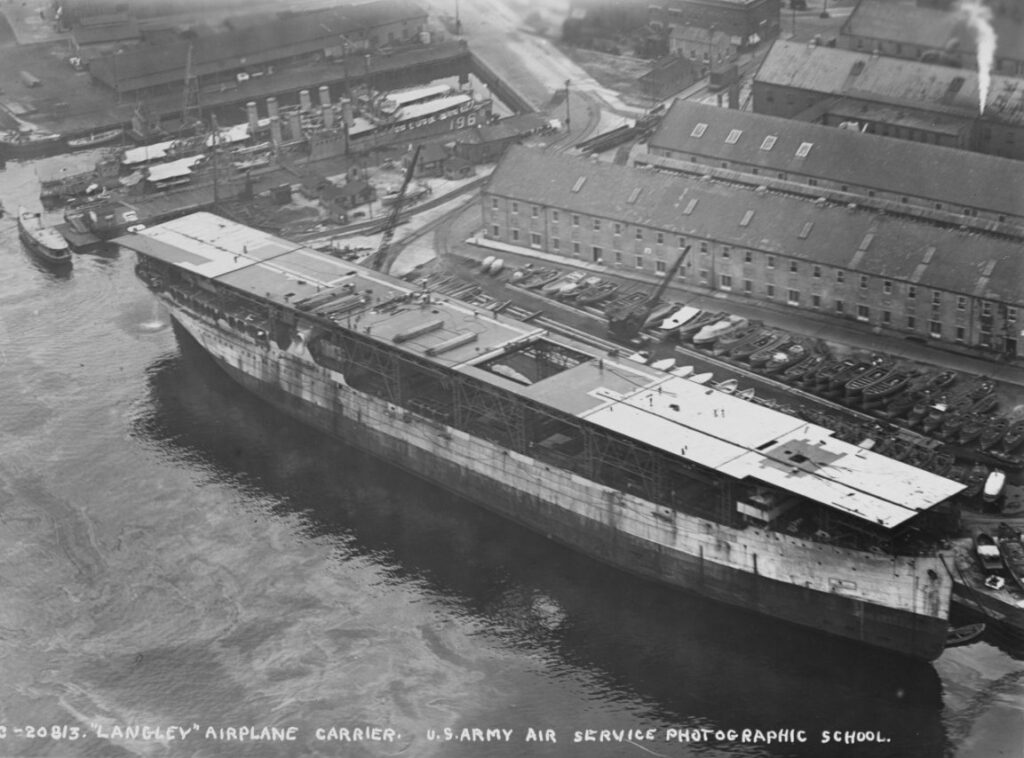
635 535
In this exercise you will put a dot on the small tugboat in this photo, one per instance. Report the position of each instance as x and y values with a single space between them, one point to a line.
1014 436
793 353
95 139
994 432
44 242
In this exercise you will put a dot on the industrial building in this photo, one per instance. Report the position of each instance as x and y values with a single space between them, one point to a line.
694 137
889 273
256 49
905 99
747 22
929 34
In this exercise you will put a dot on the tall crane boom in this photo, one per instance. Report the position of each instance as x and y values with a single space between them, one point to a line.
628 323
378 259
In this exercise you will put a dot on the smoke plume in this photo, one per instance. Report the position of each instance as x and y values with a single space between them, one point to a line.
979 19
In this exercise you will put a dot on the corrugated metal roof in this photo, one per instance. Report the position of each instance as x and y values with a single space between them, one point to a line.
894 250
685 419
893 80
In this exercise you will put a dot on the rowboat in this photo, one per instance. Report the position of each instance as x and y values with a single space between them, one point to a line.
557 285
682 371
678 318
886 387
596 293
664 364
728 386
573 290
838 382
824 375
541 278
854 388
765 339
704 378
660 313
747 393
95 139
761 357
962 635
994 432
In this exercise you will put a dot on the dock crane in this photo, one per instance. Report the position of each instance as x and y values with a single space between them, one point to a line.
627 323
378 260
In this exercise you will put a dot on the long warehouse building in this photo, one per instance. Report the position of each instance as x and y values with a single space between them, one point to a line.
889 273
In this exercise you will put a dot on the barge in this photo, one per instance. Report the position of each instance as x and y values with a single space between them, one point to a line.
641 469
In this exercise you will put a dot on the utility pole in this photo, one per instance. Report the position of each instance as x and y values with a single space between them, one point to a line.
567 114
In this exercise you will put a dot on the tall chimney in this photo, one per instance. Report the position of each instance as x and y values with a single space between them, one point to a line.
346 112
328 112
275 131
254 120
296 125
272 107
325 96
304 102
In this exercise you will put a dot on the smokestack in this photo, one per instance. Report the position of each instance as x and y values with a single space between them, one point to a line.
275 130
296 125
979 19
346 112
304 102
254 120
272 107
328 112
325 96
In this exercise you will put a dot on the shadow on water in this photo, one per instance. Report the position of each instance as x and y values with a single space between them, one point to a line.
690 661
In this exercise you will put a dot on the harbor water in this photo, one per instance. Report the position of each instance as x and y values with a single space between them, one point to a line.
186 572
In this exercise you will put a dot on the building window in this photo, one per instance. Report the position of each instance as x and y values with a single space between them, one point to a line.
1011 315
515 235
554 216
639 261
703 247
748 286
515 207
935 329
793 267
936 298
863 313
639 233
793 297
534 211
887 317
887 287
769 290
863 281
618 257
748 257
682 242
534 240
726 252
840 277
705 275
986 308
556 243
911 322
840 306
495 231
961 304
661 238
597 224
659 266
771 261
985 338
494 203
816 271
617 228
815 301
725 281
576 249
911 292
961 334
598 254
575 219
